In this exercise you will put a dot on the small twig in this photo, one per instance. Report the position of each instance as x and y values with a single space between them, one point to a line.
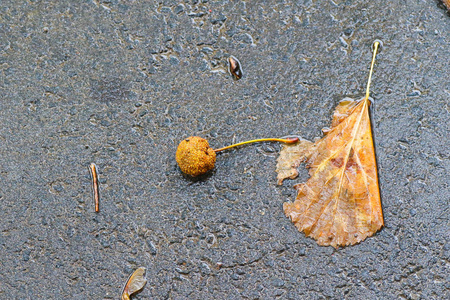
93 170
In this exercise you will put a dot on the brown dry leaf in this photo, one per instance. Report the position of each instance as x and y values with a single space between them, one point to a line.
135 283
340 203
447 4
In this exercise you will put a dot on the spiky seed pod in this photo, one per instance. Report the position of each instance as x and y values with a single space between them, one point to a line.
195 157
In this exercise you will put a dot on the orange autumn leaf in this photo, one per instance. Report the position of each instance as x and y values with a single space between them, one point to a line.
135 283
447 4
340 203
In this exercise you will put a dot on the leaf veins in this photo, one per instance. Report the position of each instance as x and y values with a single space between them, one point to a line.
340 203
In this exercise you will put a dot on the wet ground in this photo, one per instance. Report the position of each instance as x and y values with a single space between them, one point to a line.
120 83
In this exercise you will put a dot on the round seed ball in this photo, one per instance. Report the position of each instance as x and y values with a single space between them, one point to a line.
195 157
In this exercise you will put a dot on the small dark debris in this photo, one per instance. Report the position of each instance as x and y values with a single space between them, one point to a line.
235 67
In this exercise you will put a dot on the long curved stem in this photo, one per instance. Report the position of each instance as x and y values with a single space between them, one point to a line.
286 141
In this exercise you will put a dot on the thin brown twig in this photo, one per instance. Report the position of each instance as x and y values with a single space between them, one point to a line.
93 170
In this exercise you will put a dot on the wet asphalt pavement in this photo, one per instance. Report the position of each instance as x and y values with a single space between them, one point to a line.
121 83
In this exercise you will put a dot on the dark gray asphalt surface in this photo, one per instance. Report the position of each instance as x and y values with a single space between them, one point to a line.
120 83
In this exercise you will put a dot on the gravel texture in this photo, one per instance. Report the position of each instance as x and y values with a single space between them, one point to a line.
121 83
